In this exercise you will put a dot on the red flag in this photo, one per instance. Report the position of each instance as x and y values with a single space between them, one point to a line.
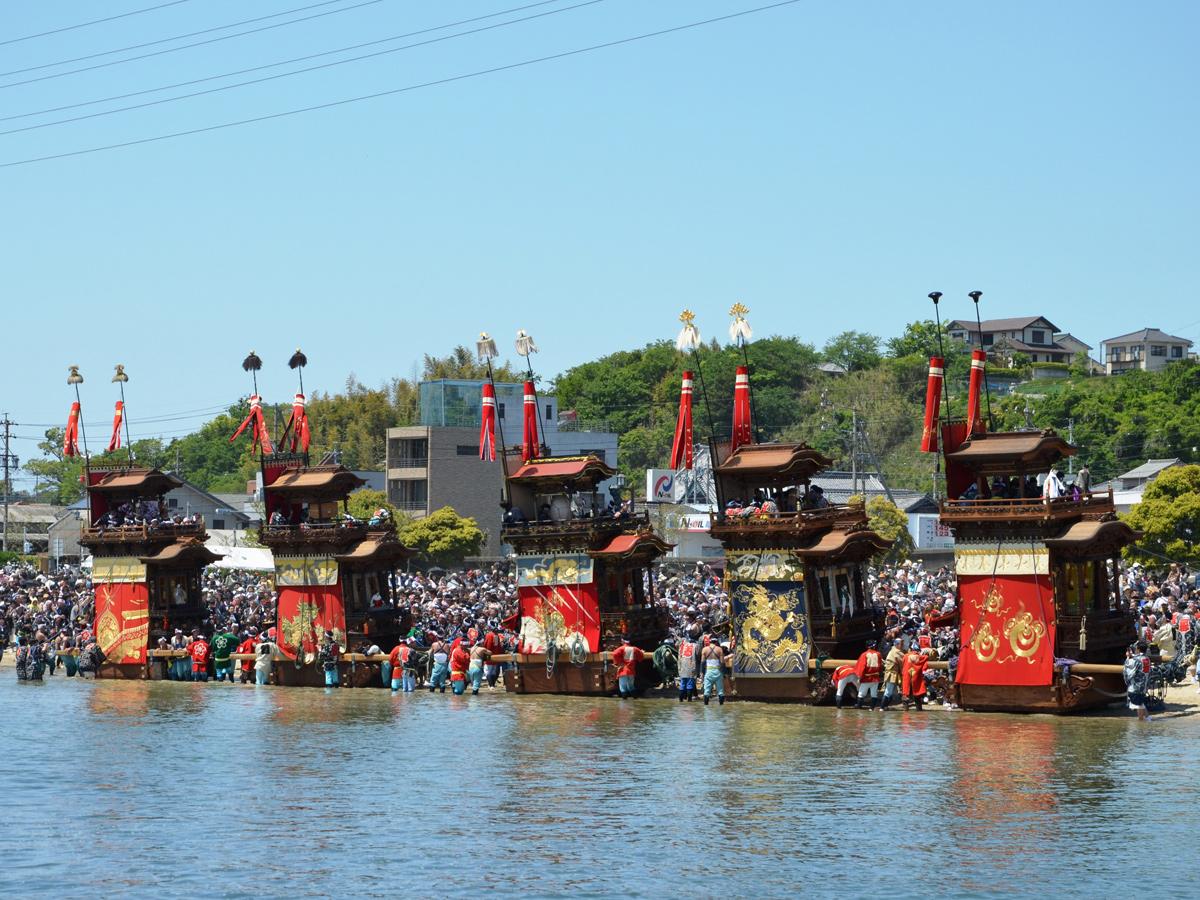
301 436
71 435
258 429
681 449
974 414
114 443
958 477
741 409
487 426
530 444
933 391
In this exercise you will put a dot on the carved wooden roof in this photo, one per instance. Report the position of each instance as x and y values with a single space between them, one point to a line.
767 464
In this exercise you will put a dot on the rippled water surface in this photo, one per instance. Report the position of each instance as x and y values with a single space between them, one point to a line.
118 788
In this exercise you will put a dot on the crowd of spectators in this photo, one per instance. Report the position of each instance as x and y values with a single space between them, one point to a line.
916 605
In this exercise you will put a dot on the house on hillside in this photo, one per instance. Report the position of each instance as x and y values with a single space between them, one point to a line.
1035 336
1149 350
1128 488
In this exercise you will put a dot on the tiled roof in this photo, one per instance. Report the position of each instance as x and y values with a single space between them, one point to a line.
1147 334
1150 468
1016 324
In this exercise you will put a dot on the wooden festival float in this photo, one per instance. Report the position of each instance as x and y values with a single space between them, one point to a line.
794 566
332 572
581 566
146 564
1040 617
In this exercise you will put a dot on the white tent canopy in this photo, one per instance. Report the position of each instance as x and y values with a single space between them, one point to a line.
256 559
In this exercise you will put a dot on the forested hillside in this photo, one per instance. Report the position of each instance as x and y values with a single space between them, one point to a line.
873 411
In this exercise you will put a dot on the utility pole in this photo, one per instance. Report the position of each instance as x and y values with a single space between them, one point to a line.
878 468
1071 441
10 462
853 451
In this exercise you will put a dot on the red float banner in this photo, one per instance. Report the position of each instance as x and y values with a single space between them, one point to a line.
487 425
1007 629
123 620
530 443
974 388
305 613
958 478
71 432
558 613
257 425
742 432
681 447
933 399
114 442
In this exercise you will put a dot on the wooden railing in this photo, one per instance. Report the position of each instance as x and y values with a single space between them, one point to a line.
313 533
1025 508
125 533
576 525
799 519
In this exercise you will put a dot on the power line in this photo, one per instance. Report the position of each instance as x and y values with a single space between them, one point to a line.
225 37
164 417
401 90
126 15
282 62
167 40
328 65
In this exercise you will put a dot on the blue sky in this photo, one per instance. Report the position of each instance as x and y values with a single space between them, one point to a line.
826 163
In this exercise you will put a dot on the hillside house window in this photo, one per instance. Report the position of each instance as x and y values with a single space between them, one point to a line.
466 450
219 524
1039 337
500 409
1158 349
549 412
988 339
1176 352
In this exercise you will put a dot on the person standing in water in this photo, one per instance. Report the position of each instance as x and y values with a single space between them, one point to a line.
479 657
441 666
712 657
688 667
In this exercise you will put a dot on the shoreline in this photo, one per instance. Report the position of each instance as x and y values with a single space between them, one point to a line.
1182 699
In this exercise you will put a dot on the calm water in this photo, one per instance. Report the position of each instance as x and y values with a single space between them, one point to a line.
122 788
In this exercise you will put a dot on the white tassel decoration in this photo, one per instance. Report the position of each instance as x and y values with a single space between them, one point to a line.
689 337
525 344
739 328
485 347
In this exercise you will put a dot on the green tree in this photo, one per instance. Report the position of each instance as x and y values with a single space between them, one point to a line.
58 476
888 521
443 538
1169 518
1081 365
462 363
919 339
363 503
852 350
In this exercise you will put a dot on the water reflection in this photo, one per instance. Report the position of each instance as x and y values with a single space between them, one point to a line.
307 792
